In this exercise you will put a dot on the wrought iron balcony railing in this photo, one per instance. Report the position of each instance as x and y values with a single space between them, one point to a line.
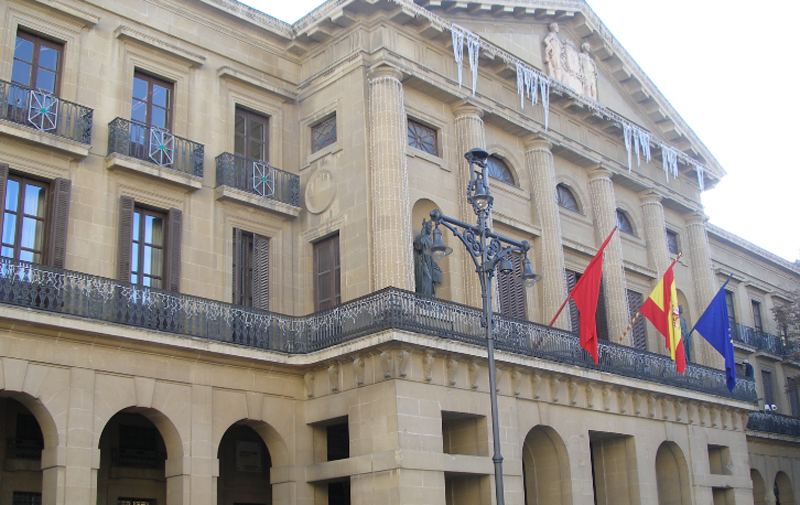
45 112
155 145
258 178
773 423
78 294
758 339
17 448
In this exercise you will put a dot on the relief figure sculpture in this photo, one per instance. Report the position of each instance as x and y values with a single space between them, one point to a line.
427 274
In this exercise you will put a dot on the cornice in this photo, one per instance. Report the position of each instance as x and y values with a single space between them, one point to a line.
751 248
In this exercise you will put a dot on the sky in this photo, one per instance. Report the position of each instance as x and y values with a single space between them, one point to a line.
725 69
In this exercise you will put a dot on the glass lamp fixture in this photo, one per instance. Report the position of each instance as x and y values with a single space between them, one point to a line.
438 249
529 278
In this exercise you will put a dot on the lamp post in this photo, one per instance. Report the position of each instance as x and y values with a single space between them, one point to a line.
488 251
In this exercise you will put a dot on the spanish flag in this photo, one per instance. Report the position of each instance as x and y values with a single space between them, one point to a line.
661 308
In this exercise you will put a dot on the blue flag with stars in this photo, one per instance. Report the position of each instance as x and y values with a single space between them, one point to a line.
715 326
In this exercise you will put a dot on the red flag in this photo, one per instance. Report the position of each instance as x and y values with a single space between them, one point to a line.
585 294
661 308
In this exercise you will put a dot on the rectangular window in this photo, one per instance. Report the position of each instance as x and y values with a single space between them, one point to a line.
250 270
766 379
638 335
151 108
422 138
323 134
19 498
35 213
672 242
149 246
37 63
757 323
251 135
327 282
793 390
731 310
511 291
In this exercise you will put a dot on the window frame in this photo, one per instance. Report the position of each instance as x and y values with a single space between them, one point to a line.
621 218
674 235
563 188
416 145
251 117
152 80
251 269
38 42
145 212
315 148
21 216
335 290
496 161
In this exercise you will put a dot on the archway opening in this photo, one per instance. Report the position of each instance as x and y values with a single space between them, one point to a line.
132 462
546 468
21 469
784 493
759 488
244 468
672 476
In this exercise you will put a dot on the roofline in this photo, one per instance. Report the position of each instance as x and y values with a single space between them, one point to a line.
752 248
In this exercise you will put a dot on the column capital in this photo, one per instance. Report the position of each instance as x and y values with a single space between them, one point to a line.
385 71
537 143
599 171
649 196
696 218
466 108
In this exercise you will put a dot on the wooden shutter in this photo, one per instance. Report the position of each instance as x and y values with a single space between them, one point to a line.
511 293
3 181
327 287
126 205
172 253
637 332
574 316
260 272
236 299
766 378
600 317
55 252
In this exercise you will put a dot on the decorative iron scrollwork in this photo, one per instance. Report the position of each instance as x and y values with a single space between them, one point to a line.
42 110
263 179
162 147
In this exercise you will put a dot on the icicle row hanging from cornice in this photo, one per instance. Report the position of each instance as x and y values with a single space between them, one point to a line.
637 139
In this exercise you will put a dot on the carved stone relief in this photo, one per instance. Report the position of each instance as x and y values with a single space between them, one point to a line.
555 385
309 380
516 379
359 368
589 396
333 377
536 384
427 366
472 372
651 407
386 364
452 368
564 63
573 392
402 363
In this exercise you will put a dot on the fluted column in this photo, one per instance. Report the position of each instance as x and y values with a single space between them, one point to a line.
469 134
542 173
703 275
605 218
392 258
656 235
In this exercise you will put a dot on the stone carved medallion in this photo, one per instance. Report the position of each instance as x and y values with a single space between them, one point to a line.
566 64
320 191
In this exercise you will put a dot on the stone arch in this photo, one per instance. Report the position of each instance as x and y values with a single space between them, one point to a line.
759 488
546 468
510 160
784 494
672 475
580 197
43 416
168 431
244 479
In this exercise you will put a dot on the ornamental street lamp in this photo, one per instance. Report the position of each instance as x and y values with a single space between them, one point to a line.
489 251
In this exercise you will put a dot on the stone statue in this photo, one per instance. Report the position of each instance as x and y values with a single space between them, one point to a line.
686 336
553 49
588 72
427 273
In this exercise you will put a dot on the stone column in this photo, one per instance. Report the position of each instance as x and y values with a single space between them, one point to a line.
656 235
605 218
469 134
704 285
392 258
542 173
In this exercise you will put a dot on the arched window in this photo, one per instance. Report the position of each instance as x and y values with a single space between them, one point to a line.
623 223
566 199
497 169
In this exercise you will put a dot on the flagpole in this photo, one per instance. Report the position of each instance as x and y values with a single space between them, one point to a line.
630 325
576 284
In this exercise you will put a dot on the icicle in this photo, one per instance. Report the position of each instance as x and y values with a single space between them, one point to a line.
636 147
521 85
669 158
544 87
626 133
473 49
532 84
644 141
458 49
700 176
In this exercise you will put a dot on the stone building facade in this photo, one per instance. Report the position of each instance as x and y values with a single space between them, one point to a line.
207 286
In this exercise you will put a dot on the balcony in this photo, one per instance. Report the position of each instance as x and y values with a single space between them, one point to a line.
775 424
76 294
154 152
38 117
759 339
258 184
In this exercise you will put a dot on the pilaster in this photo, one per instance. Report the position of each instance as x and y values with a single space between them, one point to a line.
656 235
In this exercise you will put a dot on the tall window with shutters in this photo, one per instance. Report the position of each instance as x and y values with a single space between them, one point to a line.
149 251
637 332
766 380
250 269
757 322
251 135
35 218
510 291
327 283
601 320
